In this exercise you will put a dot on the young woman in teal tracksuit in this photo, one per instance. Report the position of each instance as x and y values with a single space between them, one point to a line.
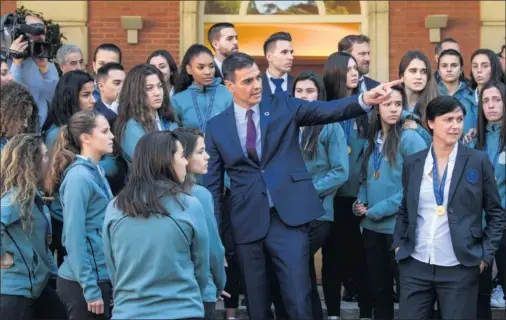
195 152
25 234
380 195
451 68
491 138
145 108
420 87
326 156
155 237
83 281
199 95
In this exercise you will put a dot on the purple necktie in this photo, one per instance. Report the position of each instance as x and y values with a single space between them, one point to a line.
251 137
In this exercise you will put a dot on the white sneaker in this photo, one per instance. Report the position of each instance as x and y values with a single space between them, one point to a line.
497 298
333 318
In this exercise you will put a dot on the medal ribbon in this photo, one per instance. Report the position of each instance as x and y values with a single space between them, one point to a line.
347 130
439 188
378 156
207 111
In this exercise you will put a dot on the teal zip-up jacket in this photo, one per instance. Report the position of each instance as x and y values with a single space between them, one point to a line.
466 98
33 262
159 266
216 275
383 196
134 131
410 115
330 167
108 165
498 159
355 159
186 107
84 194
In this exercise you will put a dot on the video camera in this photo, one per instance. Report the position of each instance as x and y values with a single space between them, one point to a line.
11 28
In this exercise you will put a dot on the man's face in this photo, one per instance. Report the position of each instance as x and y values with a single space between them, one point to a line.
228 42
33 20
281 56
104 57
110 87
73 61
362 53
246 87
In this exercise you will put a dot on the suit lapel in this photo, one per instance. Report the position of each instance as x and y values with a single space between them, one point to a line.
460 164
289 87
231 131
418 167
265 115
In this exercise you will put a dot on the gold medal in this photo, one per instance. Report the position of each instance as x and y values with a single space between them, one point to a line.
440 211
349 149
376 175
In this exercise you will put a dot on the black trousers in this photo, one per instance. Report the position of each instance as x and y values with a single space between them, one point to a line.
484 311
381 268
344 258
209 310
500 259
56 243
71 293
455 288
46 306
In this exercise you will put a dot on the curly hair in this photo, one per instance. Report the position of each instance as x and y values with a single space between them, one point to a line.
134 102
18 111
20 170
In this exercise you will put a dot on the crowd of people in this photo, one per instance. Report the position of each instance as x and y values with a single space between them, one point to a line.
154 192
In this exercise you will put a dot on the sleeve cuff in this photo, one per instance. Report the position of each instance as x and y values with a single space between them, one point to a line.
364 106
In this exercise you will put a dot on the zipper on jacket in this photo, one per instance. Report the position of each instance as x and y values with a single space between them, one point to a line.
94 260
24 261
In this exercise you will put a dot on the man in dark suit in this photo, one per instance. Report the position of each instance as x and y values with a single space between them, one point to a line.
279 54
273 199
223 38
439 238
109 80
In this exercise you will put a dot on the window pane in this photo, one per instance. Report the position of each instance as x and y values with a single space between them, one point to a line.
342 7
222 7
282 7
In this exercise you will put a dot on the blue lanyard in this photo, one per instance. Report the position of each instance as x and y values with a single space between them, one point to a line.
378 156
207 111
347 130
439 188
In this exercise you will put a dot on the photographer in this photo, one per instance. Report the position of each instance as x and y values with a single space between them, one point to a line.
37 74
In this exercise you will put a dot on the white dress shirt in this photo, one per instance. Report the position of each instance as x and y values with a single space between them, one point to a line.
158 122
433 244
284 85
219 64
363 87
113 106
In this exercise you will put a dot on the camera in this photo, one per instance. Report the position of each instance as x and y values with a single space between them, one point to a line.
11 28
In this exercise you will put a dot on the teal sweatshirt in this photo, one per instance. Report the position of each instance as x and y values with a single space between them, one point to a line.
409 115
134 131
383 195
84 195
159 266
33 262
330 167
466 98
216 275
355 158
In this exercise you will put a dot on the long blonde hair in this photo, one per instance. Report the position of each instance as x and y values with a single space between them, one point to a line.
20 170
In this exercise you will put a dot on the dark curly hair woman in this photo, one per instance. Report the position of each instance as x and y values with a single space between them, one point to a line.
18 112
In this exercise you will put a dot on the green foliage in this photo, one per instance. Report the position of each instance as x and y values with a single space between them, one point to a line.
222 7
53 34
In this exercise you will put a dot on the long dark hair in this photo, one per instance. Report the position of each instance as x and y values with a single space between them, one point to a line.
151 176
66 98
429 92
188 138
174 74
496 74
68 144
134 103
482 121
334 77
185 79
310 137
392 140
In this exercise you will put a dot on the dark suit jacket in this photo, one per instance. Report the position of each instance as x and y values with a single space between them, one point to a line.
468 198
281 169
217 74
267 87
370 83
108 113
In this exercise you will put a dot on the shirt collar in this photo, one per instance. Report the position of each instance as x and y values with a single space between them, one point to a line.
429 162
241 112
218 63
284 76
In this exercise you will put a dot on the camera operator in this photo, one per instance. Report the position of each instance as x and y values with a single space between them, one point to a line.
37 74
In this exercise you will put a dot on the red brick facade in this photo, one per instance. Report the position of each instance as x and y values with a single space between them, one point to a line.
408 32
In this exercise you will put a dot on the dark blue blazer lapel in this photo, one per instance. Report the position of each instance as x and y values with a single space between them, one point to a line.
458 170
417 175
370 83
108 113
233 133
265 116
289 87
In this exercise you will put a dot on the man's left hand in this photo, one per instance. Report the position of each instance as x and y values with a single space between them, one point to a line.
483 266
380 93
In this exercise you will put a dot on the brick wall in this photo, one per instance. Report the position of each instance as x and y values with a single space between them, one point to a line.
408 32
160 28
7 6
